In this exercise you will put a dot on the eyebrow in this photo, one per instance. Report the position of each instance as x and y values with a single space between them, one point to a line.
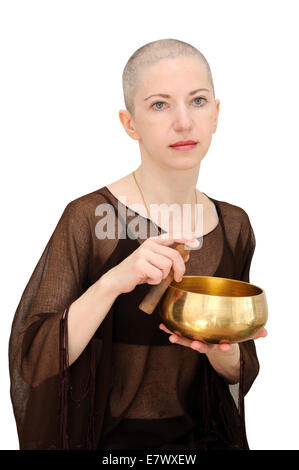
168 96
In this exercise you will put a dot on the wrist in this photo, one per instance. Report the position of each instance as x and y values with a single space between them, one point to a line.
108 285
234 351
227 364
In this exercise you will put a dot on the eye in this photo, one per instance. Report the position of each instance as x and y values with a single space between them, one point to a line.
200 98
162 102
157 102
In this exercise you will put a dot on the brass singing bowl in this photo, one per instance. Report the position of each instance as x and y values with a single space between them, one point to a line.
214 309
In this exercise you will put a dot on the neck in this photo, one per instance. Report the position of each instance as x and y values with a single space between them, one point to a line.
168 186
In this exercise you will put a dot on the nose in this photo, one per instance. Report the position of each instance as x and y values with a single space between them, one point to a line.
182 119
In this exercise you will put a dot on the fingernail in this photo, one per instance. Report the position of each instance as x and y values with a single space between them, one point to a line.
194 242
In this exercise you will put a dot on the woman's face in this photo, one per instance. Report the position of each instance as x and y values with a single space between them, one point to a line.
162 121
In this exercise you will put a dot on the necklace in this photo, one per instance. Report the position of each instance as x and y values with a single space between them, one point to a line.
148 213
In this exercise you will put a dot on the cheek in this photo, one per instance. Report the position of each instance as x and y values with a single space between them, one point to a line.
155 131
206 127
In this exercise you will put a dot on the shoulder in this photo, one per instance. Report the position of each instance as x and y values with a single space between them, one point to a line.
237 224
79 216
232 213
84 206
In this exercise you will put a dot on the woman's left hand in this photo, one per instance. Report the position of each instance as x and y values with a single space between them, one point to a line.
202 346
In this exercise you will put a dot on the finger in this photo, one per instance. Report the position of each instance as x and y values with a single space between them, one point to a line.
201 347
225 347
196 345
175 337
262 334
174 260
153 274
182 340
177 257
163 327
167 251
160 262
178 262
170 239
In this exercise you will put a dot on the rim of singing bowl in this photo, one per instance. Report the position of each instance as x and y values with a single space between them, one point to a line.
176 285
227 326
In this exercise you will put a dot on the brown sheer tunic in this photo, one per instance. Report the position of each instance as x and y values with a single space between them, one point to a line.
130 388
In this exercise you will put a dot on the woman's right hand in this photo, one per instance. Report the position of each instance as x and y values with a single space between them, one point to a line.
149 263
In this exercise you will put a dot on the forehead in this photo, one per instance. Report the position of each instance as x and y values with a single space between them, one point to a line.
173 75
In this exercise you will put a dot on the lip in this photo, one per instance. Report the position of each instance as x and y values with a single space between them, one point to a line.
183 142
183 147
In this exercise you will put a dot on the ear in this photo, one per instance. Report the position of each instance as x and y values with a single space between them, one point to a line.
128 123
215 122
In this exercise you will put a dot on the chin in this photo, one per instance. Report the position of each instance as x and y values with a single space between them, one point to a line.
184 163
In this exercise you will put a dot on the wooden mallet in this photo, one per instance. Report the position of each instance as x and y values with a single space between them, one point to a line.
156 292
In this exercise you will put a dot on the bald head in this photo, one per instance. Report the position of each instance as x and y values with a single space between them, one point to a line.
150 54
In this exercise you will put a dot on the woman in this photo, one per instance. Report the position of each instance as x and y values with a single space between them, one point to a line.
89 369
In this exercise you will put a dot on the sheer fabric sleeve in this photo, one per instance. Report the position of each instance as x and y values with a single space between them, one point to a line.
247 234
37 344
249 360
249 364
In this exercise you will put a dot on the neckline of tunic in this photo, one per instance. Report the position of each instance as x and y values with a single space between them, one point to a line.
161 229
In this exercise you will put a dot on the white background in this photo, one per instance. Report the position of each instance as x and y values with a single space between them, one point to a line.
61 138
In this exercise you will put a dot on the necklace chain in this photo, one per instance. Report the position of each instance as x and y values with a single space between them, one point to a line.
148 213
